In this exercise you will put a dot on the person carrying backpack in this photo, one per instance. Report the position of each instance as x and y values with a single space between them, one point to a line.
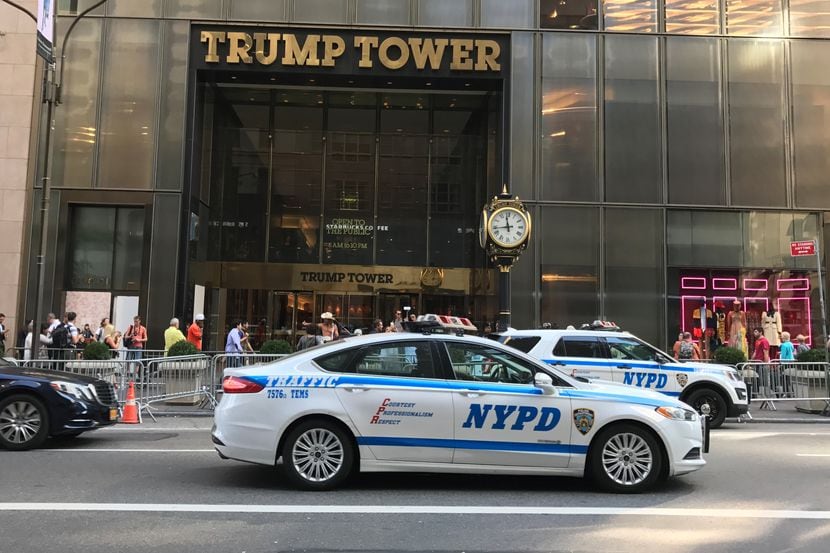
688 350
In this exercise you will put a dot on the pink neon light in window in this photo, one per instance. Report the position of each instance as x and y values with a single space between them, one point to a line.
755 284
693 283
697 301
799 284
724 283
806 315
748 301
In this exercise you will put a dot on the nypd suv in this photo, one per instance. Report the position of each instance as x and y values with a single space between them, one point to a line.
447 403
597 352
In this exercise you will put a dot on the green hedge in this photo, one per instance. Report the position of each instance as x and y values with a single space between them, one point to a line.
811 356
729 356
275 347
182 348
97 351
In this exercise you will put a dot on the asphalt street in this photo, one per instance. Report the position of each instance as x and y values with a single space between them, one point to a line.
161 487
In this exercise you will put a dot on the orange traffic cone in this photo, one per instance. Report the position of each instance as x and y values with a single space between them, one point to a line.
130 409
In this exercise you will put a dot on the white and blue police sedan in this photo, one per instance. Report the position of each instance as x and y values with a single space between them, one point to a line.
444 403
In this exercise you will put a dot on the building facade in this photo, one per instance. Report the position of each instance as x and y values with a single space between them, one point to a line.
271 160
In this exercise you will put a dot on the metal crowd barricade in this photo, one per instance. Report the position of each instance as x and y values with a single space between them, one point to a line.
114 371
807 385
185 380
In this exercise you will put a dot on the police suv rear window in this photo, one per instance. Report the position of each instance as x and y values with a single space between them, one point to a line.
522 343
578 346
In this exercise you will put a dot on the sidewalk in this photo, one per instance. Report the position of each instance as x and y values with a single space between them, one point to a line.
785 412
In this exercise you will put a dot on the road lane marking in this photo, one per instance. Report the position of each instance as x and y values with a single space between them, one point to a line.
418 510
738 435
110 429
812 454
121 450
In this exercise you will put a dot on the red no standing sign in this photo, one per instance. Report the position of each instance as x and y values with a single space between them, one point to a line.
804 247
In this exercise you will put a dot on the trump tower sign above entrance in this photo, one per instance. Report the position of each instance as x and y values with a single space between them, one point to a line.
352 52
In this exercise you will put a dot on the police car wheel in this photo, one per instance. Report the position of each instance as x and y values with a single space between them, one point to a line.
24 423
626 459
317 455
717 405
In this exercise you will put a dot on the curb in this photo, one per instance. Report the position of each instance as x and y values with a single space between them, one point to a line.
819 420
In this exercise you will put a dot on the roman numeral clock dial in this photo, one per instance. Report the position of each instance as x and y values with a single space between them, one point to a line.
508 227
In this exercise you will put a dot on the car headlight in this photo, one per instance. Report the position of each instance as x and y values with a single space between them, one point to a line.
72 389
677 413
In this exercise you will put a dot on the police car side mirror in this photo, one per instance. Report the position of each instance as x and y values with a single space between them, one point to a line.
544 382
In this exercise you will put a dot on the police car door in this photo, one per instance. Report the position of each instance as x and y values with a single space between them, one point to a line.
583 356
638 364
501 418
399 402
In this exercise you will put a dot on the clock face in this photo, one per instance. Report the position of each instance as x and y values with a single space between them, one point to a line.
508 227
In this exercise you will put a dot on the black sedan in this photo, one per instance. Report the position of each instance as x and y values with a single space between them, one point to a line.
38 403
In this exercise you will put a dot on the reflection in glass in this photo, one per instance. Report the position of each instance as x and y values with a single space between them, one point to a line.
692 17
810 18
76 131
811 122
515 14
321 11
129 248
128 106
171 130
196 9
569 110
756 122
569 283
90 246
632 120
753 17
695 130
440 13
131 8
572 14
638 16
634 270
258 10
383 12
704 239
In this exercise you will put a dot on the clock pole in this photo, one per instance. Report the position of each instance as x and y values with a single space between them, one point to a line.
502 250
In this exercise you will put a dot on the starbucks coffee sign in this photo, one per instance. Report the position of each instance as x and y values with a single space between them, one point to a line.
352 51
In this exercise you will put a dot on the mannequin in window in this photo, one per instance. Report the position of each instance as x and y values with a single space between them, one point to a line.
771 323
736 327
720 318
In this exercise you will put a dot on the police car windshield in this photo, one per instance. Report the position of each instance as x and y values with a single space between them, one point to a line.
630 348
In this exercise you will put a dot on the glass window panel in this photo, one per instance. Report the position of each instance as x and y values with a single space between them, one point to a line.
523 114
384 12
516 13
76 130
321 11
258 10
632 120
569 111
128 106
638 16
767 237
173 96
756 122
196 9
131 8
569 283
74 7
576 14
440 13
705 239
693 17
91 248
129 249
811 122
695 128
810 18
634 270
753 17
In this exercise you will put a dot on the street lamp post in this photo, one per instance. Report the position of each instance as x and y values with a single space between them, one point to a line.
51 97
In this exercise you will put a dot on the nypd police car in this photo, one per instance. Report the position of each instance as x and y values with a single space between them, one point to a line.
447 403
596 352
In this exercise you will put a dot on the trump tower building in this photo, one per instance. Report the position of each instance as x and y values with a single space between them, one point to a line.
271 160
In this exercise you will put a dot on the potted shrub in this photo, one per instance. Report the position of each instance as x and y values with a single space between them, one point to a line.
97 351
275 347
96 361
183 370
729 356
809 380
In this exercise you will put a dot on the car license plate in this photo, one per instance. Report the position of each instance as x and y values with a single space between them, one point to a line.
113 414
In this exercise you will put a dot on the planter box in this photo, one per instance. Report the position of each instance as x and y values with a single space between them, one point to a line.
183 380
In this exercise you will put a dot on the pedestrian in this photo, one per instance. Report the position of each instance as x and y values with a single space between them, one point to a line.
87 335
377 327
43 338
172 335
233 345
135 339
328 328
245 338
802 345
688 350
676 347
74 334
761 350
3 334
99 334
397 321
313 337
787 351
194 331
112 339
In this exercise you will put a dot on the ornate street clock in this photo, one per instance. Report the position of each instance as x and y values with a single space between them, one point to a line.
504 232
